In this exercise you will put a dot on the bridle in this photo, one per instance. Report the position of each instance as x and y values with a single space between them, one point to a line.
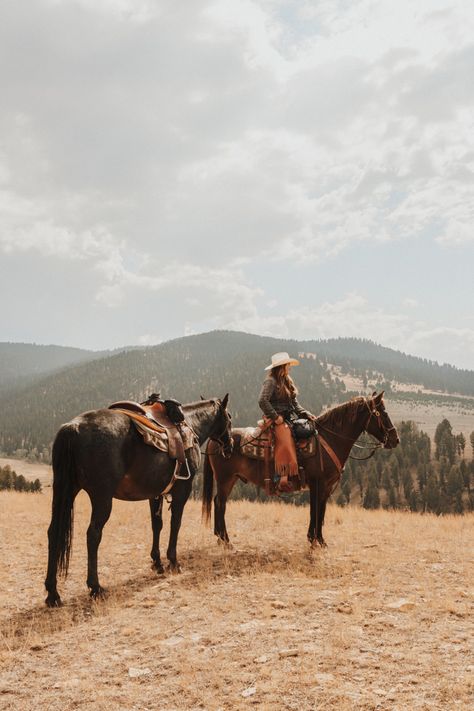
373 412
220 441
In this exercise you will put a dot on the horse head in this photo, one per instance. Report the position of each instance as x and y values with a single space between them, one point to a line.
222 428
379 424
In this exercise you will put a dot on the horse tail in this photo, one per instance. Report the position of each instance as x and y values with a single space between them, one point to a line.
207 488
64 492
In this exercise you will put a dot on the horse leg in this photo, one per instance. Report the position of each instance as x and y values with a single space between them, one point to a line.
59 533
156 511
219 518
319 532
101 509
220 501
313 502
180 495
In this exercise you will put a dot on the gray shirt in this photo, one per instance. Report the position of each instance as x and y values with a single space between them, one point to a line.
273 404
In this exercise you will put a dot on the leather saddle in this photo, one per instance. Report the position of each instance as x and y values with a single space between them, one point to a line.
160 415
256 441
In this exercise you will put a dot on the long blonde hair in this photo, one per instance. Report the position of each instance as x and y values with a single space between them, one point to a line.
285 386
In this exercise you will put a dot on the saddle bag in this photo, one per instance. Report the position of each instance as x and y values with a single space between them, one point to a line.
302 428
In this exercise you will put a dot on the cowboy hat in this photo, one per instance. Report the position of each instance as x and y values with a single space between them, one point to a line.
281 359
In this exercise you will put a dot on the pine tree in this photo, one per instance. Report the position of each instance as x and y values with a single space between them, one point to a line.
445 441
372 497
460 444
432 493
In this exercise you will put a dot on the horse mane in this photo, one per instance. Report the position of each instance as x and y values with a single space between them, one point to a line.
340 414
199 404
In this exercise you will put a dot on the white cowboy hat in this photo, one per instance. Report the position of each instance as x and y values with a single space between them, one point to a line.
281 359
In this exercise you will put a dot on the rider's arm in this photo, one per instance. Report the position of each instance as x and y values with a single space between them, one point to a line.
264 399
300 410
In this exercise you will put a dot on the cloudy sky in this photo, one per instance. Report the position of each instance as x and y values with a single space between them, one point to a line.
291 168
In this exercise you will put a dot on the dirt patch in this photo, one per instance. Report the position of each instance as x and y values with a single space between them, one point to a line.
382 619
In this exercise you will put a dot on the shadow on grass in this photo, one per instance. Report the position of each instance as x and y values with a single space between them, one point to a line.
199 566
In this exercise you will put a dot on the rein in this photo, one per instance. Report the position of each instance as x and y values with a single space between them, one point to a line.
373 412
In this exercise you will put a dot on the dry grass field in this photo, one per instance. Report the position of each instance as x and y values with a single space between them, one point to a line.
381 619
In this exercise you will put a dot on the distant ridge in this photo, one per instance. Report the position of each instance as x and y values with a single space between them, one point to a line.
21 363
210 364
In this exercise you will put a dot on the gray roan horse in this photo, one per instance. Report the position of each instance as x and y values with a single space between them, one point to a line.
341 427
102 452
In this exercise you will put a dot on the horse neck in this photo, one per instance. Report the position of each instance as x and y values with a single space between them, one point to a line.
201 418
343 440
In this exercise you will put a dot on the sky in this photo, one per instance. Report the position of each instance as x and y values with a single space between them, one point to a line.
286 168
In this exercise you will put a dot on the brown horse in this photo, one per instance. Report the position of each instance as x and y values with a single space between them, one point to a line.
340 427
101 452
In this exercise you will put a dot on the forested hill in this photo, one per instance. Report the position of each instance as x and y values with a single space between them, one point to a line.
210 364
23 362
362 355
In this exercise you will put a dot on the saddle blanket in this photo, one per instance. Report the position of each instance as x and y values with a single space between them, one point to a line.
254 443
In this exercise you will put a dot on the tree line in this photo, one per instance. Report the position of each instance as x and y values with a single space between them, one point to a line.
410 478
11 481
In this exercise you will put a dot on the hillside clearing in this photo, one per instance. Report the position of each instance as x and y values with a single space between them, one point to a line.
380 620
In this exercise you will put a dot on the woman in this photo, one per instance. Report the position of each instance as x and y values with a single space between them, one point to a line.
278 394
279 404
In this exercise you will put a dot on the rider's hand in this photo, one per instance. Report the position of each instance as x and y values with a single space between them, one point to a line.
311 417
279 420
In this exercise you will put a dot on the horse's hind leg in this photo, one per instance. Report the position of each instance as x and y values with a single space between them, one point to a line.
224 489
156 511
220 530
101 508
59 531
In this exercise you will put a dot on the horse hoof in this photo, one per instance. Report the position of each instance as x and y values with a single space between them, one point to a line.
53 601
98 593
174 568
158 568
322 543
223 542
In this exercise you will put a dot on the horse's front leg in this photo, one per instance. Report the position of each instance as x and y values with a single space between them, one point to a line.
101 509
156 511
313 503
319 530
180 494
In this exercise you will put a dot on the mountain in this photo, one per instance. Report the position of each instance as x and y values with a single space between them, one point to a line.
208 364
21 363
360 355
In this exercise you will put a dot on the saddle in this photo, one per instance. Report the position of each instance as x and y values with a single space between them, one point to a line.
256 441
162 425
281 471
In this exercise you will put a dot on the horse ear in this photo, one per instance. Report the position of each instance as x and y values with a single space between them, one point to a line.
202 398
374 393
379 397
225 400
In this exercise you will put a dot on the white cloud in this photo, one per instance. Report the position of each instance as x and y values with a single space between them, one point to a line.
166 149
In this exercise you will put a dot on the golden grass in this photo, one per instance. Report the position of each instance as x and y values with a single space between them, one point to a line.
382 619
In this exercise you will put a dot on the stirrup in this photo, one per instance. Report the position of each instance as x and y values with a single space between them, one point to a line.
178 468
